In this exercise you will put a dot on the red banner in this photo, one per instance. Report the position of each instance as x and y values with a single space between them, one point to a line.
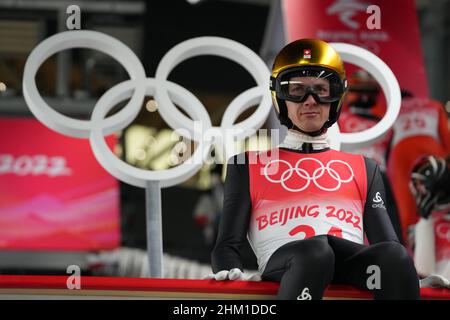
396 42
54 195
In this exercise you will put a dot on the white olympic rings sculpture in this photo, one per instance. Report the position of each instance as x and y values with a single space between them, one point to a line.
166 93
304 174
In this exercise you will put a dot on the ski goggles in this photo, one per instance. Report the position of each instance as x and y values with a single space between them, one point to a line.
297 84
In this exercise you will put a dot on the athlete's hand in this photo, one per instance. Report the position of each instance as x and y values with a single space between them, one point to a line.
435 281
233 274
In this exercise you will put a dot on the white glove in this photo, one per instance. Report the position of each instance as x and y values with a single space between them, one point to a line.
233 274
435 281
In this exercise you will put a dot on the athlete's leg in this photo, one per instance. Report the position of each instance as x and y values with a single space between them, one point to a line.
398 276
304 268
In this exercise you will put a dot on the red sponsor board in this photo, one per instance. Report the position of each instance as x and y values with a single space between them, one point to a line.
54 195
397 44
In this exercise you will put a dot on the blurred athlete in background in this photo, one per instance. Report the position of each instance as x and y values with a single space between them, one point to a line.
421 129
430 185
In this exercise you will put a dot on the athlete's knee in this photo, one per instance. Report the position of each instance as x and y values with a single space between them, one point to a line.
393 253
395 263
398 275
314 253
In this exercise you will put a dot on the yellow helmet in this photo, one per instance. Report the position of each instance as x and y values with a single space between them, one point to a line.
308 58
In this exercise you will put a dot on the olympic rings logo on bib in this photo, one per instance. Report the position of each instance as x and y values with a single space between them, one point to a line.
332 174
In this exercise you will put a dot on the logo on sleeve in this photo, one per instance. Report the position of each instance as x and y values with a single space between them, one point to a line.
378 201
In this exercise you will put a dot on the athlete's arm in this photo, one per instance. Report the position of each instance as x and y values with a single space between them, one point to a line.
377 224
235 216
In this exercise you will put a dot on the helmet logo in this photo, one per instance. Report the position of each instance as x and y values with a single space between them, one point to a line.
306 53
